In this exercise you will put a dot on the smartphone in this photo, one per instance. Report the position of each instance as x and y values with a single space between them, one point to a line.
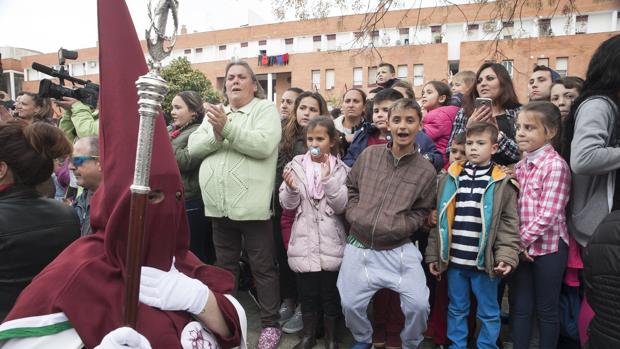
483 101
71 193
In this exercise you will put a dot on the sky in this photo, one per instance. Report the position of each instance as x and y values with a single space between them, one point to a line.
47 25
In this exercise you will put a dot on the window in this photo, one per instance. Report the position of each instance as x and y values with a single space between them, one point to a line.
91 68
401 72
403 36
244 44
436 33
331 41
372 76
77 69
508 65
358 74
489 27
472 31
288 44
316 80
453 67
187 51
561 66
359 35
199 50
330 79
221 51
374 37
262 42
544 27
418 74
507 28
316 43
581 24
543 61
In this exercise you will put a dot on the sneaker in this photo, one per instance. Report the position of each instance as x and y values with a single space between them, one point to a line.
295 323
285 312
269 338
360 345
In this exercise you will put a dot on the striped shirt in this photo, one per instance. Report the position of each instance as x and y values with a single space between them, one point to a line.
467 225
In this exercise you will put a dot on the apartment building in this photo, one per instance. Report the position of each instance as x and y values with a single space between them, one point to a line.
330 54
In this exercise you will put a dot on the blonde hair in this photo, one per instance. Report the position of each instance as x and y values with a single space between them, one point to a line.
468 77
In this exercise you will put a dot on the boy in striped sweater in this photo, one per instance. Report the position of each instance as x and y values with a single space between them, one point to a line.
477 236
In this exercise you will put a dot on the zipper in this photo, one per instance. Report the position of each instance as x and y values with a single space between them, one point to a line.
374 224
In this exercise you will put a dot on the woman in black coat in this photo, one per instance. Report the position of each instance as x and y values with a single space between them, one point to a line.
602 279
33 229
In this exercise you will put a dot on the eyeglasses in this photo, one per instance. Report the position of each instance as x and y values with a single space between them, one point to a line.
77 161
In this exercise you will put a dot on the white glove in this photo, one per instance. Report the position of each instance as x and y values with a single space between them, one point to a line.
172 290
124 338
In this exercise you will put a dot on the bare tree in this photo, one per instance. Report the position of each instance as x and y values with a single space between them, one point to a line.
506 12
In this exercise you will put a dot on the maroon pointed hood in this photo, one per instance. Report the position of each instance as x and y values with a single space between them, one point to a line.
86 280
121 63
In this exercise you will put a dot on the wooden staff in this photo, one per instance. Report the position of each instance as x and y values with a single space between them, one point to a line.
151 90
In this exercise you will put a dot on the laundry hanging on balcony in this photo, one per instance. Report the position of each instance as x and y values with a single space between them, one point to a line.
264 60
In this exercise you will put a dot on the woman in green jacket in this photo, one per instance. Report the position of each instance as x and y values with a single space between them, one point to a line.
187 114
238 146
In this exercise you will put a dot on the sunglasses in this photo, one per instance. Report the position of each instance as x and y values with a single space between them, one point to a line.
77 161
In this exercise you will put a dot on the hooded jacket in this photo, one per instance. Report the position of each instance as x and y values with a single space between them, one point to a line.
318 234
438 126
426 146
499 240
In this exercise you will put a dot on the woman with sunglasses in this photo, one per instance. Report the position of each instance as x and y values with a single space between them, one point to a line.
34 229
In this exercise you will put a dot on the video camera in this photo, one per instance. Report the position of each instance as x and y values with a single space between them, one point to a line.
89 94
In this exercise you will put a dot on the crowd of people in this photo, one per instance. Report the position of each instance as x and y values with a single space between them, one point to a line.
430 211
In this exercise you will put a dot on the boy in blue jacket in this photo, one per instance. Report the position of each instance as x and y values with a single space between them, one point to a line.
377 132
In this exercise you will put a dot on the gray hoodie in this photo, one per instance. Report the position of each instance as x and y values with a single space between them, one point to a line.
594 161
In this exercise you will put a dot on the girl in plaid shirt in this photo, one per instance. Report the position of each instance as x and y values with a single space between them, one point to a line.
544 177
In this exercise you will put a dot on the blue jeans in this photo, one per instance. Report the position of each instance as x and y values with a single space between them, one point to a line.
535 291
485 289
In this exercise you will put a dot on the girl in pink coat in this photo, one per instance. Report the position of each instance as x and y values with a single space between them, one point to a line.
439 115
315 186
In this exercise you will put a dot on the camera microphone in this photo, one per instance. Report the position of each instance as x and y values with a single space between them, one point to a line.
44 69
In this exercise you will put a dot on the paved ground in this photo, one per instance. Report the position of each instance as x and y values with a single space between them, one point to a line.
289 340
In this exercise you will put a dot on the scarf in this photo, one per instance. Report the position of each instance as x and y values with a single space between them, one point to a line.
315 187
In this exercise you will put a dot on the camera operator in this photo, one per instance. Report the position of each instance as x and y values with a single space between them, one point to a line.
78 120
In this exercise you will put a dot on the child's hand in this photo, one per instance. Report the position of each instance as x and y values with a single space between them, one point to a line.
506 170
432 218
325 170
525 257
502 269
434 269
288 179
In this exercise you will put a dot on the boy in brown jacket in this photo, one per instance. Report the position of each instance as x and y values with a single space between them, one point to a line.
391 191
477 235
